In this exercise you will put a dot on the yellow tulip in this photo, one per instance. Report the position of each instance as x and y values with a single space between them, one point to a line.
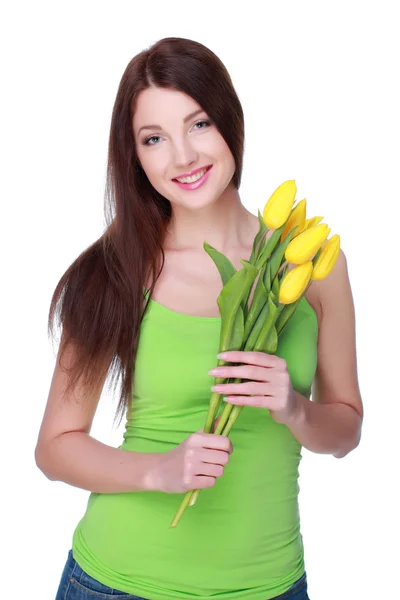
311 222
295 282
297 219
303 247
279 205
327 259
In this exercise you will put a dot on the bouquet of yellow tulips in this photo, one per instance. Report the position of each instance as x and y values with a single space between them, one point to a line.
254 324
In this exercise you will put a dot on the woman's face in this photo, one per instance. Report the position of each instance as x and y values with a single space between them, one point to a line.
178 142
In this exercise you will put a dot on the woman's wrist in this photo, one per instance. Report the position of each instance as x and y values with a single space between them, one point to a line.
148 479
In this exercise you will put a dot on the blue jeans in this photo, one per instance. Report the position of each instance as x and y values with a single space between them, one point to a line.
75 584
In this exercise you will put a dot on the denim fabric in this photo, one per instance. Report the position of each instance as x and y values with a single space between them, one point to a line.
298 591
76 584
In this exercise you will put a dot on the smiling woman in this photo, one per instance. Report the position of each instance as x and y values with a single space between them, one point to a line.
181 140
174 170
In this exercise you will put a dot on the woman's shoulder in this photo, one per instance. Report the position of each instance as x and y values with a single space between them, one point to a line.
326 292
332 297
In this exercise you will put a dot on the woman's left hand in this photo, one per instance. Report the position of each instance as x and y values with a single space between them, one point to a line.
269 383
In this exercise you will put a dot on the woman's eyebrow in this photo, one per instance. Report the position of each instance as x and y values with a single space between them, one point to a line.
185 120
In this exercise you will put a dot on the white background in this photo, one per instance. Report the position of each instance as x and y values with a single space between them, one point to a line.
318 82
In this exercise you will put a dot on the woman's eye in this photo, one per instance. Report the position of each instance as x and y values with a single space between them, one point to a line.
147 140
206 121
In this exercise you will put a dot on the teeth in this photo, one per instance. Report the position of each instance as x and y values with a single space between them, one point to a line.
192 178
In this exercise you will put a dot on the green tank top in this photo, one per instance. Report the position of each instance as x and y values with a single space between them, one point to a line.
242 539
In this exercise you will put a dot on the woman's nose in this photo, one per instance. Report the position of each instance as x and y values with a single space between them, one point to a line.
184 155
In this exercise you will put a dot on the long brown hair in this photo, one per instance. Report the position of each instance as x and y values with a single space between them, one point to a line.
99 300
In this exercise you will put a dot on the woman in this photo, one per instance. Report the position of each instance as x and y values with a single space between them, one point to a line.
177 114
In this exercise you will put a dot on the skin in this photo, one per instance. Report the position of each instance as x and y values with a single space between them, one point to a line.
331 423
179 148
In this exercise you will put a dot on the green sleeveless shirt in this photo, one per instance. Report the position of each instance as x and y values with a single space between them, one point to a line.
242 539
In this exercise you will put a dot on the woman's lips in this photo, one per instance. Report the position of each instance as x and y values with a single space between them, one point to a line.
196 184
192 172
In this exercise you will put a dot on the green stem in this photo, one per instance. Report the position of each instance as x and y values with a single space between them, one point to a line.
181 509
235 412
193 497
214 404
225 413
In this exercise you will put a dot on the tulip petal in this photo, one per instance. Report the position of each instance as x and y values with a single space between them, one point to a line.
311 222
296 219
295 283
327 258
306 244
279 205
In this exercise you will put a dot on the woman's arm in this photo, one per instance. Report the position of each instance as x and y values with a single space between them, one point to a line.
331 428
331 423
66 452
82 461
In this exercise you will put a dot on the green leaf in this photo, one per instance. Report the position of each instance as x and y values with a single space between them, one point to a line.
269 247
267 277
285 315
256 329
230 300
223 264
246 296
275 287
271 343
259 240
247 263
259 299
272 316
237 333
278 254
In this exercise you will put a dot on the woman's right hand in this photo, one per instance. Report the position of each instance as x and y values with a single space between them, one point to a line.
193 465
